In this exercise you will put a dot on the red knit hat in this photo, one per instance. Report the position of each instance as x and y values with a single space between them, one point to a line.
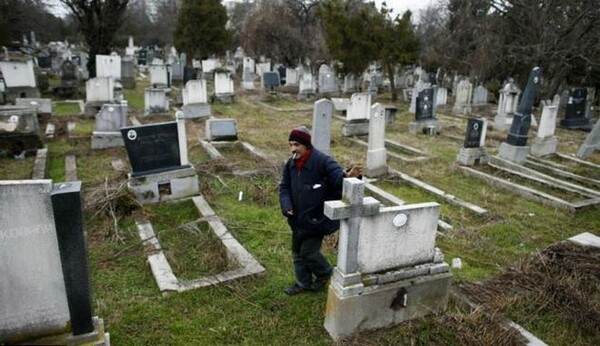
301 135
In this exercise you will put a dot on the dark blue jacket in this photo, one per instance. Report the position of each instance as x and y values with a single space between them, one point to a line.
306 191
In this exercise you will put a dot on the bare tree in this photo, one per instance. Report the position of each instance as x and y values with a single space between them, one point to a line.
98 21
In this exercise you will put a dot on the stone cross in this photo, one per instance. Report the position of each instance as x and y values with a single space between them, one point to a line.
349 211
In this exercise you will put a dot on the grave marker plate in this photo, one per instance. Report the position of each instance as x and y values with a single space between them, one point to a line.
475 131
152 148
221 129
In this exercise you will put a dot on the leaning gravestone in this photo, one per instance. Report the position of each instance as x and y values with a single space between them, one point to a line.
545 142
45 291
388 268
195 101
473 152
160 169
321 125
221 130
515 147
19 131
591 143
576 110
109 121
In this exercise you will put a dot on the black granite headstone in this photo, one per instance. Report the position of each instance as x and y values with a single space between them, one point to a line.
282 74
474 133
142 56
189 73
270 79
424 105
68 217
152 148
575 111
433 78
517 135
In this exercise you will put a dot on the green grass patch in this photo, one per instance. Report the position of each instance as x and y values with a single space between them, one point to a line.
66 108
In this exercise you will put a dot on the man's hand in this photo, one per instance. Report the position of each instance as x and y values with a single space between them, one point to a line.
354 171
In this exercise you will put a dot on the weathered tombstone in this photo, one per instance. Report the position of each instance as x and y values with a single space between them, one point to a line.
357 115
306 89
224 87
130 49
270 80
480 96
388 268
160 169
159 76
155 101
291 76
327 81
263 67
19 131
321 125
248 79
350 83
462 101
515 147
441 96
376 152
42 106
221 130
507 105
591 143
195 101
473 151
282 70
177 70
142 56
19 79
248 65
425 121
545 142
340 104
43 251
98 91
127 72
108 66
109 121
576 110
208 67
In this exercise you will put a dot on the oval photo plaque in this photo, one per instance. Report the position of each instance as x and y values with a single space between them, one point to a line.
400 220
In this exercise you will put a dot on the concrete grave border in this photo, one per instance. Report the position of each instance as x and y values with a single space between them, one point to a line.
528 192
162 271
560 170
422 155
211 147
80 103
40 164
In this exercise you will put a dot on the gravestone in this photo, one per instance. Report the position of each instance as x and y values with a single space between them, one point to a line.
306 89
43 107
108 66
248 79
425 121
591 143
155 101
263 67
249 65
208 67
576 110
327 81
507 105
189 73
376 152
177 71
473 151
350 83
159 76
515 147
69 79
19 80
224 87
441 96
160 169
270 80
221 130
321 125
109 121
47 300
19 131
291 76
388 268
357 115
98 91
127 72
462 101
545 142
480 96
195 101
340 105
282 70
142 56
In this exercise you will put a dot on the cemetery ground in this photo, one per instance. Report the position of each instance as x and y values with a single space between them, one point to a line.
512 265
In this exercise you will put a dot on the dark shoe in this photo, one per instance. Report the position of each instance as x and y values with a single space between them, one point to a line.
319 284
294 290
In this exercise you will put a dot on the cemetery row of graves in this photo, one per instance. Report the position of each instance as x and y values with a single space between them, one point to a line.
148 213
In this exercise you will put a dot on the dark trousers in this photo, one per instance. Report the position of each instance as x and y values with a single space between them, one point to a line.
308 260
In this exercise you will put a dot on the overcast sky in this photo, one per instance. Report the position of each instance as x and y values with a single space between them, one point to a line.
399 6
